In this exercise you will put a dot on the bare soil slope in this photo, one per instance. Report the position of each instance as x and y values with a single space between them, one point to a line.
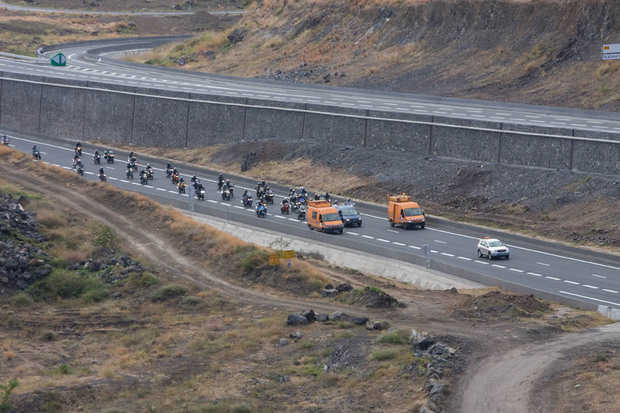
529 51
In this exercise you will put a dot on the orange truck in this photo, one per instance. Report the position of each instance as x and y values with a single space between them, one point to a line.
403 211
324 217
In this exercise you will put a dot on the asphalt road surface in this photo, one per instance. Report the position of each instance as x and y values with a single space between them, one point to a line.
563 271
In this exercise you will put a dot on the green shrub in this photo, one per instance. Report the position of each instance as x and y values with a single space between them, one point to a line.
141 280
191 302
5 403
48 336
397 337
64 369
169 292
21 299
250 257
67 284
105 237
384 355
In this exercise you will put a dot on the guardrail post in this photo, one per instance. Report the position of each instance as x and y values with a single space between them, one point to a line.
430 137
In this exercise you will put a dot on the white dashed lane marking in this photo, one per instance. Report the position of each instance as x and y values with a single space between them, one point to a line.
368 236
610 291
590 286
598 276
571 282
534 274
415 247
543 264
552 278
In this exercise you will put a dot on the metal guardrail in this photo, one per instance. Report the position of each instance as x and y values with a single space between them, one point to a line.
26 58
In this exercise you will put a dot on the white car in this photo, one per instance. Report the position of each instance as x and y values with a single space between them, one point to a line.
492 248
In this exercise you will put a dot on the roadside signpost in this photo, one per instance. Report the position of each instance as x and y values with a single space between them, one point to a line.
59 59
181 61
274 259
611 51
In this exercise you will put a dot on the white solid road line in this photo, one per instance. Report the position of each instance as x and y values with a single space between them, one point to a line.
589 298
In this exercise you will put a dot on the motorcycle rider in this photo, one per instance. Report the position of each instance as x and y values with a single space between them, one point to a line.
78 149
102 176
260 208
326 196
129 171
5 140
149 171
317 196
76 159
246 198
220 181
181 185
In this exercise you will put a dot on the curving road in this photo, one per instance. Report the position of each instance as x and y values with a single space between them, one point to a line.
102 67
31 9
552 270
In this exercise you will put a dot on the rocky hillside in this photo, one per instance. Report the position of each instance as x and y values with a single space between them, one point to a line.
529 51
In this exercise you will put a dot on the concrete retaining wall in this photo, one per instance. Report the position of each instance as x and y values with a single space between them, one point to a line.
147 117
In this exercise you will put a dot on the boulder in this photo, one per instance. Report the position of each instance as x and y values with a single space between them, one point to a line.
309 314
330 292
296 320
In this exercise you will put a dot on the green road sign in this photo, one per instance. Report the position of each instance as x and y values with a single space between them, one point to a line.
59 60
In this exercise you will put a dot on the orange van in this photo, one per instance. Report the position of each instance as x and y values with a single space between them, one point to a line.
403 211
324 217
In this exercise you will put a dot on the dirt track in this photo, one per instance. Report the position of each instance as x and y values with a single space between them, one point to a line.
505 382
501 382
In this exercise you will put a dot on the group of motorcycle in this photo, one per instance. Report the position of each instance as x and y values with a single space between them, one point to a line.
295 203
264 194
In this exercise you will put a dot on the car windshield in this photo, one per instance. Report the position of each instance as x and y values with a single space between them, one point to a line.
410 212
348 211
331 217
496 243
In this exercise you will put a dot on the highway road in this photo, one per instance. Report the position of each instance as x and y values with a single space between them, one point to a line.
85 63
579 274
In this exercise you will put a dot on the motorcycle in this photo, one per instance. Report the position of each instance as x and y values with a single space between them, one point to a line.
78 150
285 207
143 179
226 194
103 178
175 178
109 157
36 153
200 193
296 207
301 199
133 164
269 197
168 173
220 184
261 211
301 214
247 202
5 140
149 174
80 169
97 159
129 173
182 186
